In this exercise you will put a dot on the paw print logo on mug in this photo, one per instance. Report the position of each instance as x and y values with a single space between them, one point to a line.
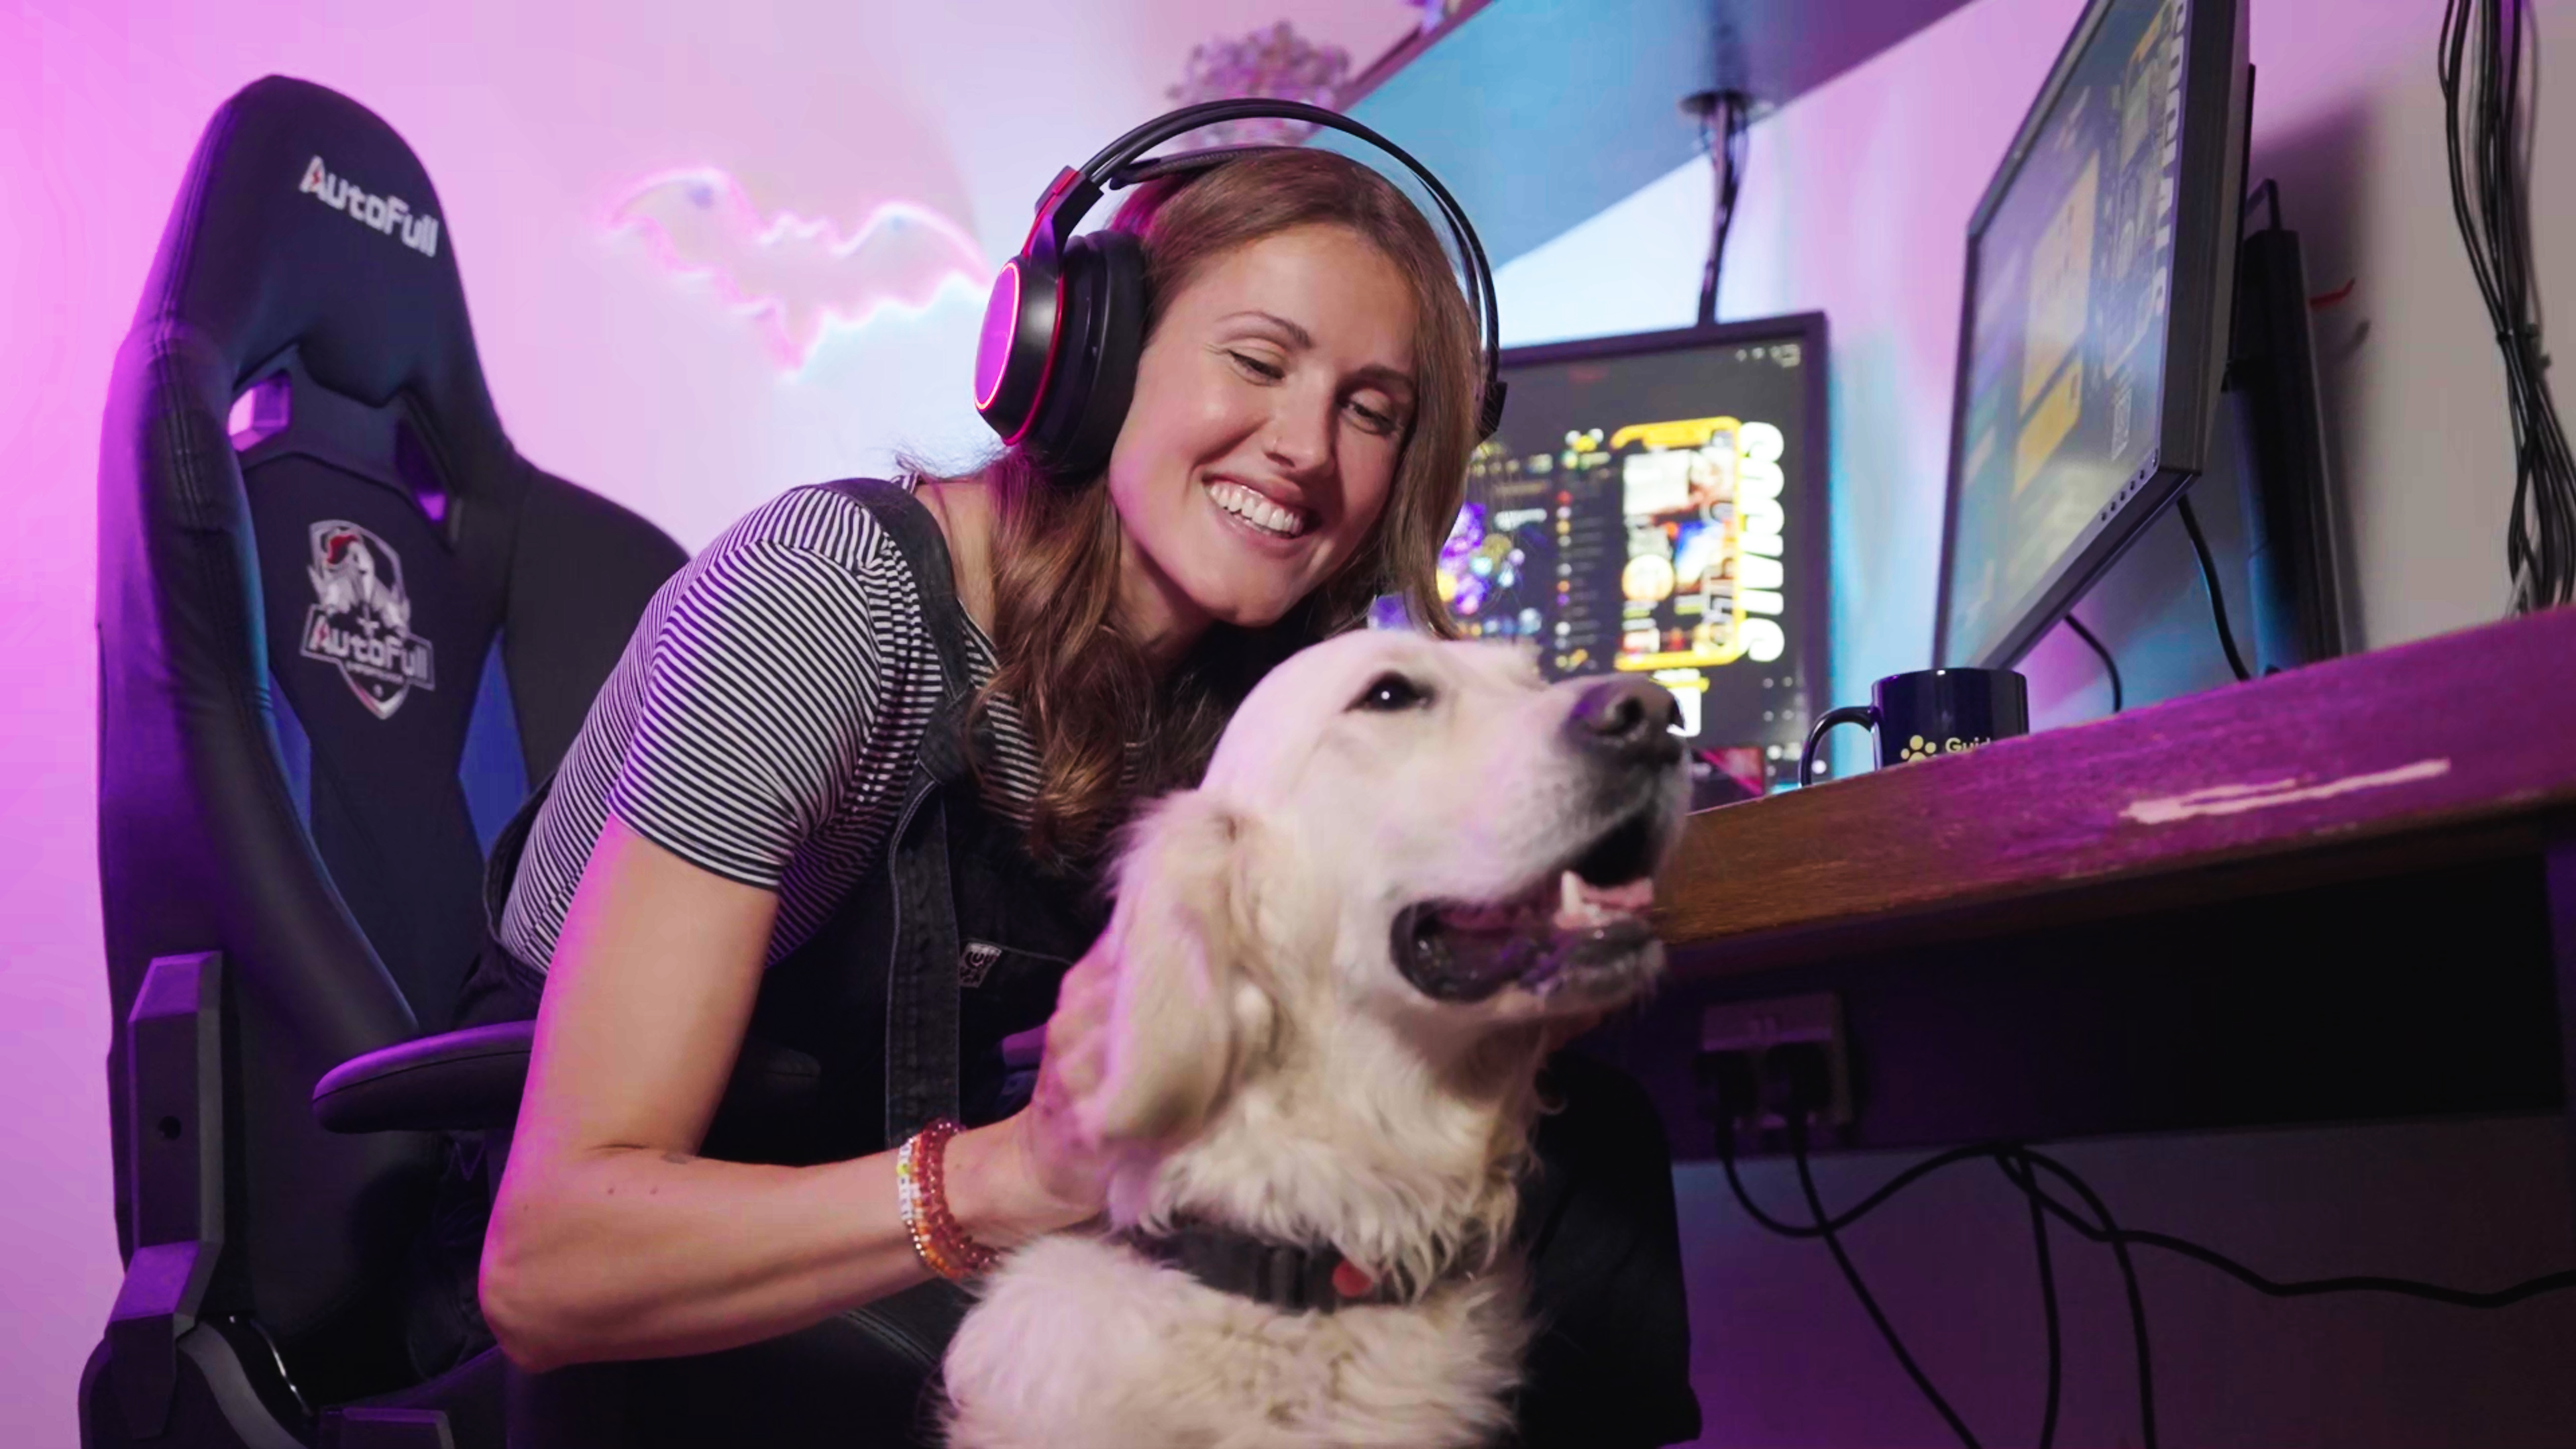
1931 712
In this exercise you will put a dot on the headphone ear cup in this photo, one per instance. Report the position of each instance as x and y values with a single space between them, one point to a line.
1103 322
1016 351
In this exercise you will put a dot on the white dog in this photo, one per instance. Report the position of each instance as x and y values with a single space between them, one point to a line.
1339 962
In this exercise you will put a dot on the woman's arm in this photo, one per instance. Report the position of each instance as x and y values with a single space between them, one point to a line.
610 1239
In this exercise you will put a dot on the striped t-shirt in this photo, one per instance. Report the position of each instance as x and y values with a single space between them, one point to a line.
763 722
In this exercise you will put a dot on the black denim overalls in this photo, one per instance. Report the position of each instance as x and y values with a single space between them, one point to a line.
955 942
952 943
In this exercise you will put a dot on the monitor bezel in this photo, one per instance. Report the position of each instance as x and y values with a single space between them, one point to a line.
1812 591
2208 198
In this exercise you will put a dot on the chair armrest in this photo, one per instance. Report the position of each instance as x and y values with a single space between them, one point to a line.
459 1081
471 1080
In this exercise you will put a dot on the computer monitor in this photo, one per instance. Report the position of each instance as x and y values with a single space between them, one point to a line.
2094 334
1655 504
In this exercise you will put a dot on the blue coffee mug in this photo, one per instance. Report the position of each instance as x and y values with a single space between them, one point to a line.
1931 712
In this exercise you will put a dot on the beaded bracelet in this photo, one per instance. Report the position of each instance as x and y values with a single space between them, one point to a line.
921 1193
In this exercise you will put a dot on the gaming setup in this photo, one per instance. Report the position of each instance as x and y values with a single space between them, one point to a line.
1652 505
2134 356
1658 503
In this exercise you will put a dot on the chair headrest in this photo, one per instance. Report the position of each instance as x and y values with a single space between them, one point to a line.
306 222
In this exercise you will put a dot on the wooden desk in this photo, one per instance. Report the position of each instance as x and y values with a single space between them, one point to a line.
2453 754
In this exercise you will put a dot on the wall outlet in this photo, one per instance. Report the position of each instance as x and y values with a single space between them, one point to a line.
1750 1028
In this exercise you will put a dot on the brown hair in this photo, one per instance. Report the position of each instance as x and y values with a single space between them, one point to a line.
1081 682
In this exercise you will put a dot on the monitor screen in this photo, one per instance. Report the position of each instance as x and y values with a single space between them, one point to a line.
2063 362
1655 505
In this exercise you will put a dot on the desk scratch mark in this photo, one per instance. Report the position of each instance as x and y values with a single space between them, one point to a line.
2237 799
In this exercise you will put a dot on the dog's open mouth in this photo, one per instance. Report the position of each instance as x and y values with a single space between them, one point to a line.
1581 927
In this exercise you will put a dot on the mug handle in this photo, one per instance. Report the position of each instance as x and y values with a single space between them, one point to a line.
1859 714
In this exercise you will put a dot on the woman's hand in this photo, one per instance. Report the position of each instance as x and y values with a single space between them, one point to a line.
1038 1171
1062 1156
612 1239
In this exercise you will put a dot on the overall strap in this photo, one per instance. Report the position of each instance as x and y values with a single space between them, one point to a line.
925 551
501 862
922 986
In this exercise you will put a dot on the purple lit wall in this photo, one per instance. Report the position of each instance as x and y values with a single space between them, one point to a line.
649 383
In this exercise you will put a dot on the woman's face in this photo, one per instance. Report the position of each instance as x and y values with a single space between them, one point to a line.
1271 407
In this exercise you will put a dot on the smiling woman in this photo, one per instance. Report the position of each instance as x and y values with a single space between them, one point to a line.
1300 450
851 790
1297 445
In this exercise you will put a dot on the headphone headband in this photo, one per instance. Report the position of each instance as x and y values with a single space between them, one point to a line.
1024 323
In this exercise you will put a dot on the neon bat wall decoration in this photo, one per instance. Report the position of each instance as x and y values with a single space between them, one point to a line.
800 279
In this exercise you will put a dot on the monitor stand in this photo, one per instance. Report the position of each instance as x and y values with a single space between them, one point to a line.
2266 506
2273 433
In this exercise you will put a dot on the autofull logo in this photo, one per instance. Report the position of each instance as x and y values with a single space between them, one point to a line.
387 214
360 619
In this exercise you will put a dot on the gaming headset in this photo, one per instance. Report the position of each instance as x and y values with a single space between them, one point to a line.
1056 365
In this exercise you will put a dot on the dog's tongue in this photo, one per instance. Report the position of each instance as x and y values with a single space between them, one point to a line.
1583 904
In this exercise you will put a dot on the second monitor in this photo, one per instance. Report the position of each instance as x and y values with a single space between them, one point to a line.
1655 504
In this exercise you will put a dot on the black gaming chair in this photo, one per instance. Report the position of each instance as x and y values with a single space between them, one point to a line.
342 625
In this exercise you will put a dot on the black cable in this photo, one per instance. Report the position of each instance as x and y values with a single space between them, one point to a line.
2489 169
2007 1155
2029 1183
2268 195
2311 1287
2004 1151
1722 117
2110 665
2048 1305
1889 1189
1833 1242
2209 576
2021 1166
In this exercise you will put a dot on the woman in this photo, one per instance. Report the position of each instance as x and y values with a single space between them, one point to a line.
707 865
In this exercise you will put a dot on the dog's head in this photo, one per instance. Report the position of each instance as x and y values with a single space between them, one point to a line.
1414 843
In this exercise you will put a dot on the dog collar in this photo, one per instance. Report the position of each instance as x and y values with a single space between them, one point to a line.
1289 1277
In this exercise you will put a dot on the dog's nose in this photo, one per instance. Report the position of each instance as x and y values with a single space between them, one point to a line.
1628 720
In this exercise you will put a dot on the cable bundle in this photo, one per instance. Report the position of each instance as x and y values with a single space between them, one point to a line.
2022 1167
1722 117
2481 66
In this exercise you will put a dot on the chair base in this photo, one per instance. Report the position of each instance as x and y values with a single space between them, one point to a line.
217 1405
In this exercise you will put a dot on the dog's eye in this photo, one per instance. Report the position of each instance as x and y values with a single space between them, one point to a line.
1391 692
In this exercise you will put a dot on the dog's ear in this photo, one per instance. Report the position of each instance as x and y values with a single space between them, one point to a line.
1193 1000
